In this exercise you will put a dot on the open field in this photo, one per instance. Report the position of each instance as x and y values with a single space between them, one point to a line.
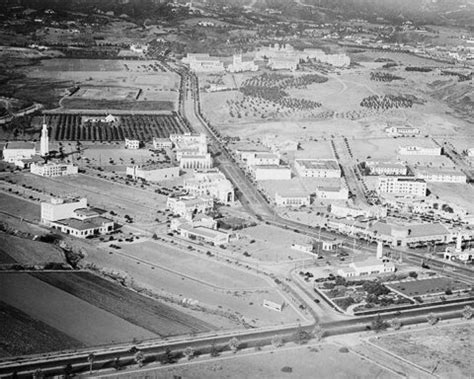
25 251
428 286
21 334
128 305
446 349
148 273
192 266
19 207
70 315
69 127
460 194
325 361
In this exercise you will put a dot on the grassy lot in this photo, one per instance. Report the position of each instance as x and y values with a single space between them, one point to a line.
25 251
321 361
21 335
70 315
123 105
128 305
446 348
19 207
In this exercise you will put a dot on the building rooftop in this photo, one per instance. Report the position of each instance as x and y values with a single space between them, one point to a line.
318 164
88 212
437 171
19 145
203 231
412 230
272 167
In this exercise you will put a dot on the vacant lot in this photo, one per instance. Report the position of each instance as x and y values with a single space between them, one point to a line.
430 286
21 334
19 207
25 251
444 349
322 361
128 305
69 314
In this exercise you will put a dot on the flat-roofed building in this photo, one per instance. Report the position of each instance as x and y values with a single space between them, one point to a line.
133 144
196 162
283 63
332 193
211 183
441 175
292 199
262 159
189 206
57 209
402 131
272 172
203 63
52 169
318 168
203 234
84 228
162 143
153 173
419 150
372 266
240 65
401 185
346 211
386 168
336 60
16 151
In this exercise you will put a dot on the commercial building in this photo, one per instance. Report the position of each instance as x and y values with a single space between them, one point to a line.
332 193
211 183
203 234
189 206
162 143
153 173
248 154
132 144
16 151
292 199
262 159
441 175
239 65
52 169
401 186
318 168
386 168
419 150
372 266
203 63
82 229
57 208
272 172
402 131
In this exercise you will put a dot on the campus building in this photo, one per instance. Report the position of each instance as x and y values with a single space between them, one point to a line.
16 151
401 186
58 208
272 172
133 144
386 168
292 199
52 169
211 183
239 65
318 168
262 159
402 131
419 150
203 234
196 162
372 266
336 60
153 173
283 63
332 193
162 143
441 175
203 63
188 206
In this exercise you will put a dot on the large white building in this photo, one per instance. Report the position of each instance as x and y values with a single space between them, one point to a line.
188 206
262 159
386 168
58 209
203 63
16 151
153 173
345 211
191 151
44 142
402 131
239 65
332 193
52 169
372 266
162 143
441 175
292 199
272 172
283 63
196 162
401 185
419 150
318 168
211 183
133 144
336 60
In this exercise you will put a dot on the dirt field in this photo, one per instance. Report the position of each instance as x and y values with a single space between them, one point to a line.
70 315
19 207
21 335
25 251
321 361
445 349
128 305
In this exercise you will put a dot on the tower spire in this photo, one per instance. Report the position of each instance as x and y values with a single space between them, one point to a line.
44 144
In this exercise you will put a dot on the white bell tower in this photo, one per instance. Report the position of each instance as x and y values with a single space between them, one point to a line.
44 144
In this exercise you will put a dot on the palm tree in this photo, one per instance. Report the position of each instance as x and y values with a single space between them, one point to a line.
277 341
234 344
467 312
188 353
139 358
90 359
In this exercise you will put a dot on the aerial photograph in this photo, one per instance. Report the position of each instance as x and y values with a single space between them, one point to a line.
207 189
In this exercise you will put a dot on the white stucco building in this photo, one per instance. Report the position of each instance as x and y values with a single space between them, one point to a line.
401 185
419 150
272 172
441 175
16 151
203 63
402 131
211 183
386 168
292 199
52 169
188 206
153 173
133 144
318 168
240 65
332 193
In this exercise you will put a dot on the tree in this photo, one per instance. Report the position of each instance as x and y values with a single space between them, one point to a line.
432 319
90 359
67 370
318 332
467 312
139 358
301 336
395 323
214 350
167 356
277 341
189 353
378 324
234 344
38 374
